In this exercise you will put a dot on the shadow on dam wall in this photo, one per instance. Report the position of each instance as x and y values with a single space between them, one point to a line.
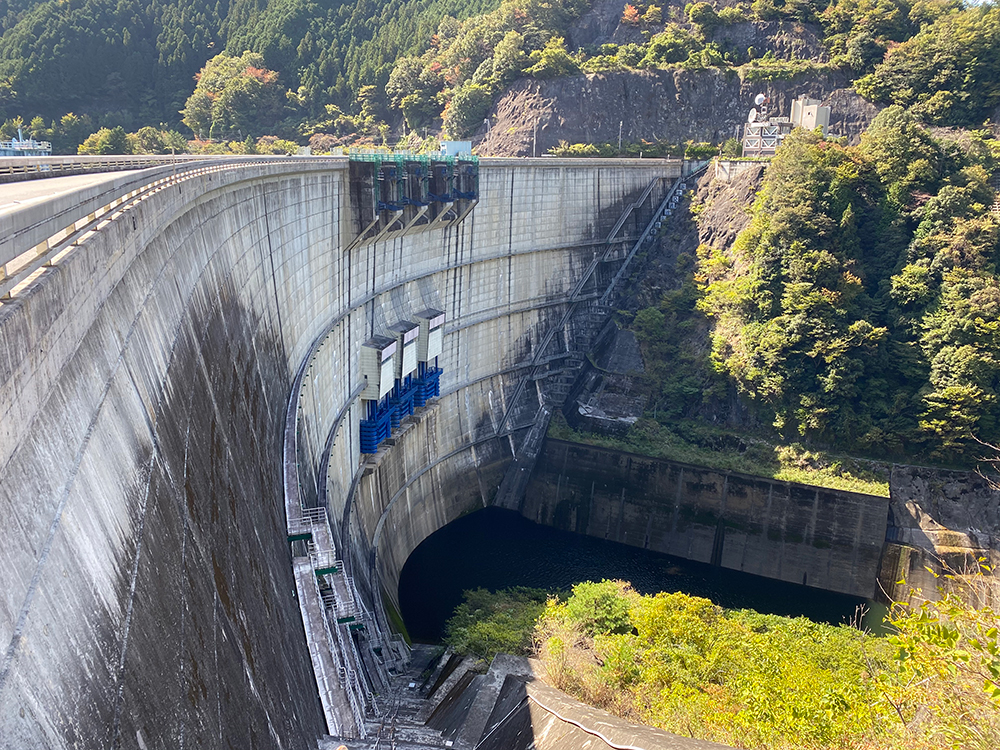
148 598
828 539
142 516
206 654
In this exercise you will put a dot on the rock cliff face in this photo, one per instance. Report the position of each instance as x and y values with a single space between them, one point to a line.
946 512
940 521
723 211
674 105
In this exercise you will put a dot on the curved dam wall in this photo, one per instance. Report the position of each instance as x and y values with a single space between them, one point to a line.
148 598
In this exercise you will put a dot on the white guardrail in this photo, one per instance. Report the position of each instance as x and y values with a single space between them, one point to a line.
28 167
41 233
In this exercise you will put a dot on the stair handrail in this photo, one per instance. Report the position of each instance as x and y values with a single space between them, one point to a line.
576 294
359 717
649 228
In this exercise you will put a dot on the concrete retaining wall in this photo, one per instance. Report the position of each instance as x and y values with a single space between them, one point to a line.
147 597
824 538
726 170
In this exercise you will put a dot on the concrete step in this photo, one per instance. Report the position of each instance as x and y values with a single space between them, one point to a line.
486 697
334 743
419 735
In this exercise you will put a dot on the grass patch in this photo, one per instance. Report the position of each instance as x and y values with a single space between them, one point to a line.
695 443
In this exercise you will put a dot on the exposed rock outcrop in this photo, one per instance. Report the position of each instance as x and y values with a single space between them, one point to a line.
944 511
672 105
940 522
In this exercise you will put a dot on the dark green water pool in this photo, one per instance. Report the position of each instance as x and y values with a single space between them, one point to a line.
495 549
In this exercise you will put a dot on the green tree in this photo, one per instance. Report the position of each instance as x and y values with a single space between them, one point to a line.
948 73
509 58
70 132
907 159
404 80
149 140
234 96
798 330
961 339
673 46
946 679
38 130
703 16
106 141
487 623
466 110
552 61
269 144
599 608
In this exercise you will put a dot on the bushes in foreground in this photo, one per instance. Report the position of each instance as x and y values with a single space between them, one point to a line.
752 680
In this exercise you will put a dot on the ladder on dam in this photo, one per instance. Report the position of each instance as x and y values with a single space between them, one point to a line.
587 313
333 617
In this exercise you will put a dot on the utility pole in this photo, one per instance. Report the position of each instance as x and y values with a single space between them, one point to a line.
489 128
621 124
534 139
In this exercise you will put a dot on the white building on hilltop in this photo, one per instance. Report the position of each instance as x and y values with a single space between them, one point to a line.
763 134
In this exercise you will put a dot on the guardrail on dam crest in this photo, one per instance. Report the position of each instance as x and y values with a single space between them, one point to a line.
183 483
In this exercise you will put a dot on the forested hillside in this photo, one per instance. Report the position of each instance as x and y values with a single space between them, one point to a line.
133 62
362 68
857 311
861 305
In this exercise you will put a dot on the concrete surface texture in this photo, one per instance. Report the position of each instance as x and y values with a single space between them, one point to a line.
825 538
148 597
531 715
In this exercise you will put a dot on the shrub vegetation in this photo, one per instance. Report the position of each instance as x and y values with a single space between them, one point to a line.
759 681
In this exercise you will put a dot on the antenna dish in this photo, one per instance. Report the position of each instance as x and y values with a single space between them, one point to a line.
759 99
752 117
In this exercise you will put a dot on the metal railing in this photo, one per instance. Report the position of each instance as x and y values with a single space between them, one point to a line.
41 234
349 681
577 293
318 657
30 166
671 197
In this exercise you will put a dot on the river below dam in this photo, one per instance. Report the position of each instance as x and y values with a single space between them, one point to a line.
496 549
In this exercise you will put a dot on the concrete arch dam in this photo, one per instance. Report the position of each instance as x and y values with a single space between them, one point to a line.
182 483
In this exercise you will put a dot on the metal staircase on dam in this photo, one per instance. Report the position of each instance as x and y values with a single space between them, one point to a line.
345 639
402 725
559 357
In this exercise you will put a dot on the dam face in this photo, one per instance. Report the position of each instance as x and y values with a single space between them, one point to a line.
185 365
